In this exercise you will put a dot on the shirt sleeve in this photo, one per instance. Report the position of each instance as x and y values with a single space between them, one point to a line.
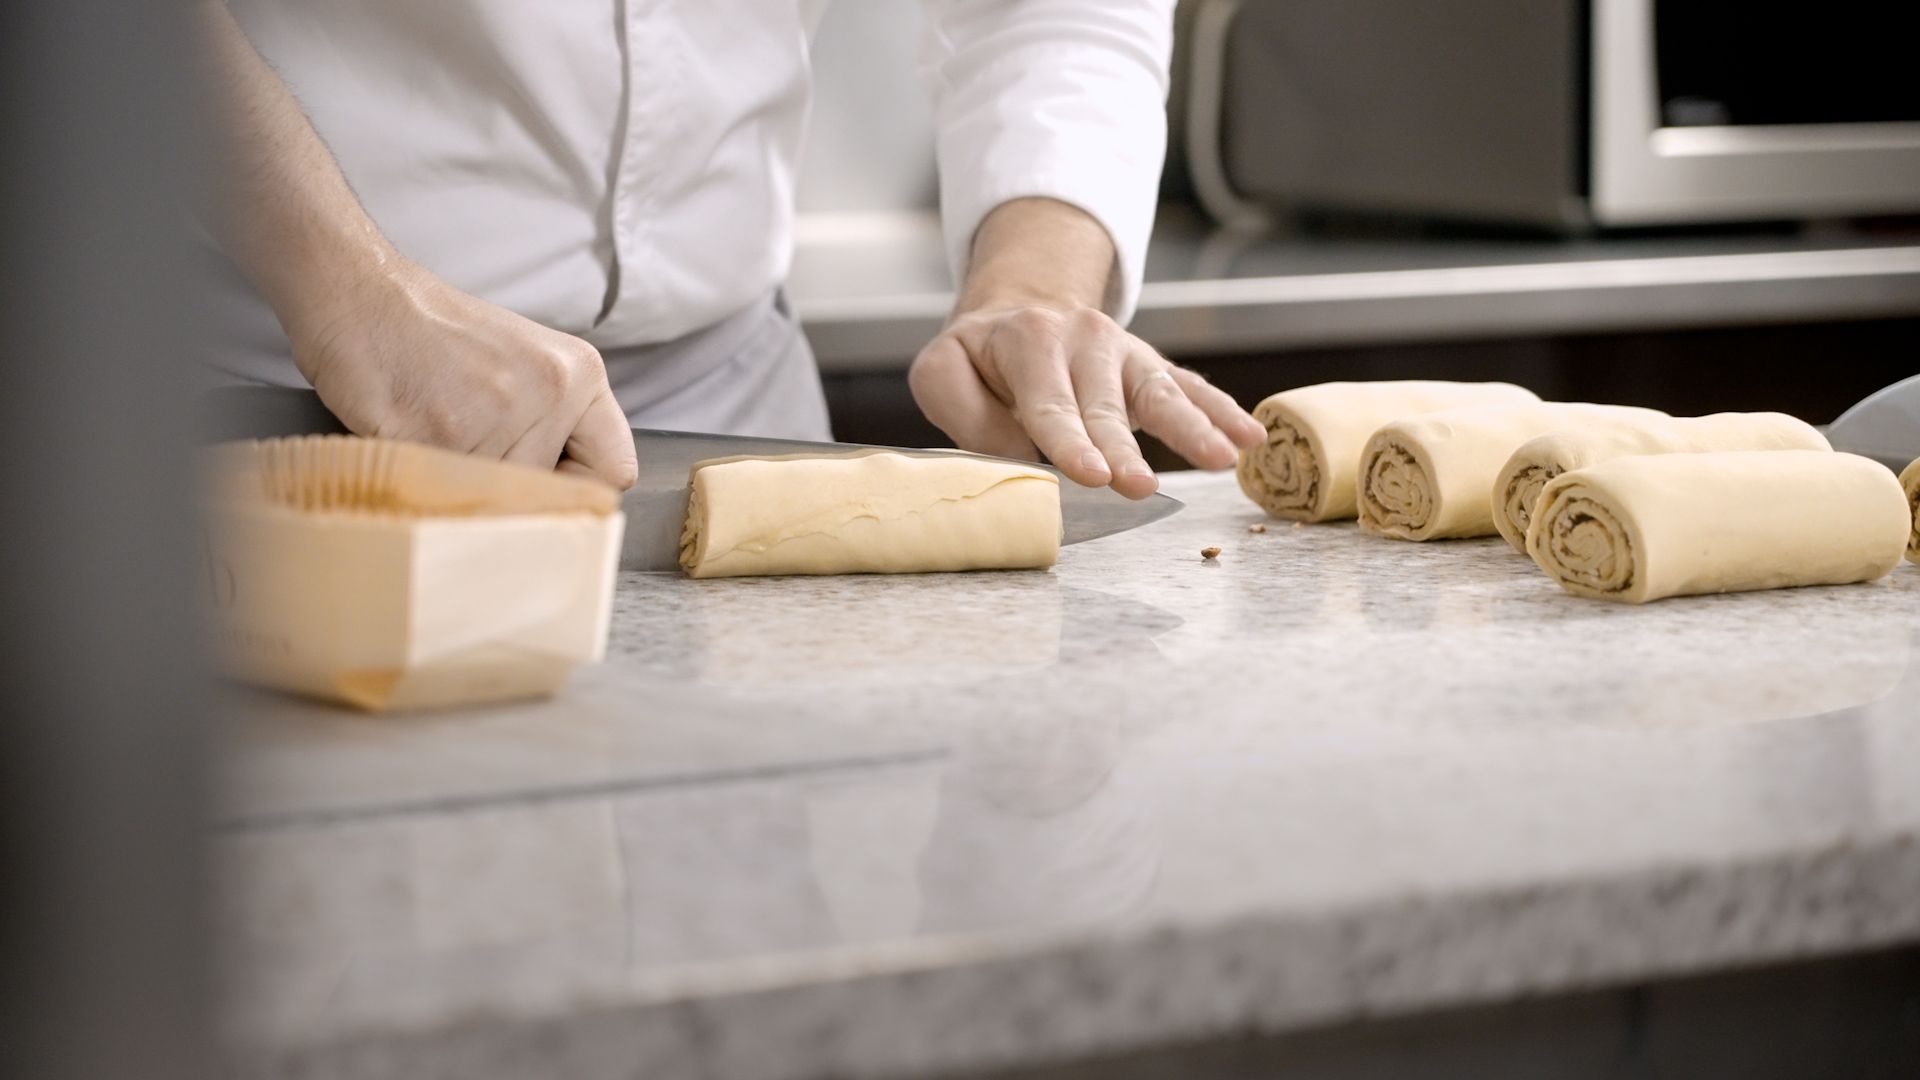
1058 98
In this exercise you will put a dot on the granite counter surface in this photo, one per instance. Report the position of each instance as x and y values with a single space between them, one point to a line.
865 827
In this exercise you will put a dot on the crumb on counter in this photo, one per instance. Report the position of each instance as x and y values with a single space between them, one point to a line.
1209 552
1299 524
1256 527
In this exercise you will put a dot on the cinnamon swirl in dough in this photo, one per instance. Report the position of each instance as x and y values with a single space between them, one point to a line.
1635 529
1305 470
1910 480
1431 477
1595 440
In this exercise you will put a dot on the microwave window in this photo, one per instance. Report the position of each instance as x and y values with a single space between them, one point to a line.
1724 62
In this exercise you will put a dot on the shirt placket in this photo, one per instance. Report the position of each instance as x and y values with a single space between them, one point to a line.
644 131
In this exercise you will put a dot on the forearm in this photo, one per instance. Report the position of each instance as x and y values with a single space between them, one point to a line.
285 211
391 349
1038 253
1057 98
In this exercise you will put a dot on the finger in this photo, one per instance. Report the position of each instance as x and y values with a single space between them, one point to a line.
1163 410
573 468
500 418
1032 358
1097 385
542 444
421 411
949 391
509 437
603 443
1240 429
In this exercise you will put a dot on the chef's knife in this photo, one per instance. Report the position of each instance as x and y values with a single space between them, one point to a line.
1884 426
656 506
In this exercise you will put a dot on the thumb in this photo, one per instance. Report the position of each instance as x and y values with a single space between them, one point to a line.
602 444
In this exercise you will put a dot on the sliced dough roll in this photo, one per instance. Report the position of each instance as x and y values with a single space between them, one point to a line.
1592 441
1910 480
1306 469
869 512
1431 477
1636 529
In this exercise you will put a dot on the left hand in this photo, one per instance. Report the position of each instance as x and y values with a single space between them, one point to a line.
1073 384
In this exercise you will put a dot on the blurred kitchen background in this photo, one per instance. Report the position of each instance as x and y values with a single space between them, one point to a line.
1692 206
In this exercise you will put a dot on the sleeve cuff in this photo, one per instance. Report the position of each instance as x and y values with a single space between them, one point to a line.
1072 122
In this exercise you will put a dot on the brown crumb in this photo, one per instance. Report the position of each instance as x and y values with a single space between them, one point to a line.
1256 527
1209 552
1299 524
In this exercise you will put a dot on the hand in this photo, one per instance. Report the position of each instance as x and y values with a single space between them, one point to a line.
401 354
1074 384
393 350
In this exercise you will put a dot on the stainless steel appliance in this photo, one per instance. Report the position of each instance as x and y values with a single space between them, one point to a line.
1563 113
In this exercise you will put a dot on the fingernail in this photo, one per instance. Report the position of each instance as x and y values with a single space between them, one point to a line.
1093 462
1137 470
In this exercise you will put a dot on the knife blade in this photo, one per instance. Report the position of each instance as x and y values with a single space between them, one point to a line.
1884 426
656 506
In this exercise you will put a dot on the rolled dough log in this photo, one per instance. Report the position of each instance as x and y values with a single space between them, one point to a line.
1306 469
1910 480
1640 528
1431 477
869 512
1592 441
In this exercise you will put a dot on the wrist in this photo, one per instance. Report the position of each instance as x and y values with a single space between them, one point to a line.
316 280
1037 253
969 306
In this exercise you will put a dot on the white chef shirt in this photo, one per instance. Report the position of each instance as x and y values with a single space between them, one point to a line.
624 169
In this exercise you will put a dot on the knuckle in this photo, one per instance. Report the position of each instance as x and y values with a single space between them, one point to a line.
925 365
1048 409
1093 322
1157 396
582 355
1038 320
918 385
442 425
556 370
924 379
1103 413
498 387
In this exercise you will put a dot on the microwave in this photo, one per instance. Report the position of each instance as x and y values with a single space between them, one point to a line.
1568 114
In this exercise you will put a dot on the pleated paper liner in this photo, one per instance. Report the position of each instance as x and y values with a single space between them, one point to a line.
389 575
348 473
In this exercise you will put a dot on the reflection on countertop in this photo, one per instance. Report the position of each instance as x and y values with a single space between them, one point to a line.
862 826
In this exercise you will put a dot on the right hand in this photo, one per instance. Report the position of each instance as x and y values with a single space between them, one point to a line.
403 355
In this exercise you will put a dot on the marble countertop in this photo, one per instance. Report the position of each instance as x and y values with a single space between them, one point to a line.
865 827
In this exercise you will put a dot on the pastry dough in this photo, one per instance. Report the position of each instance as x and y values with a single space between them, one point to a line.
1593 441
1910 480
869 512
1306 468
1431 477
1639 528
